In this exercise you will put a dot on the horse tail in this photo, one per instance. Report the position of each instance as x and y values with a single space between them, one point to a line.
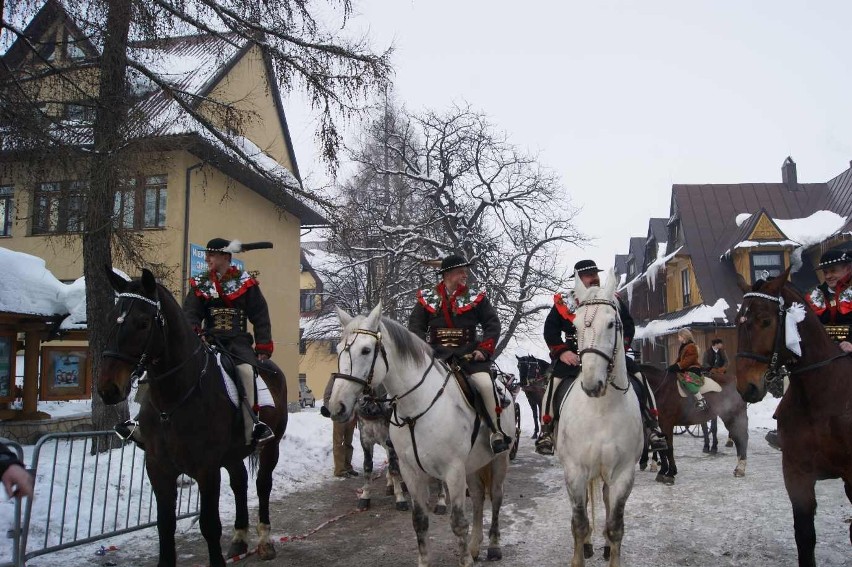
254 461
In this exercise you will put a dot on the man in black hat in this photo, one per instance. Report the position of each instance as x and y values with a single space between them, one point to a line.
447 317
218 304
561 338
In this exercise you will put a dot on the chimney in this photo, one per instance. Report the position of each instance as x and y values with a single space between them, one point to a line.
788 174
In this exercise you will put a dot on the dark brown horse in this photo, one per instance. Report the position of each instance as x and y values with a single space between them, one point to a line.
676 410
815 414
188 422
533 381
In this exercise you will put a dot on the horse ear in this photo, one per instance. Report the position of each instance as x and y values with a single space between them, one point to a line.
580 289
149 282
372 321
741 283
118 283
345 318
775 285
609 286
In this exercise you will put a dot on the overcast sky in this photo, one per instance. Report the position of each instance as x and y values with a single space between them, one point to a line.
625 98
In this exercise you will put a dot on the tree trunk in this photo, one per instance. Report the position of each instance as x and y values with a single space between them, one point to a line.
105 173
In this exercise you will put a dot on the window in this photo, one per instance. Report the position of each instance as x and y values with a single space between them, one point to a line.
309 301
631 268
684 283
59 207
765 265
7 203
140 203
303 344
79 112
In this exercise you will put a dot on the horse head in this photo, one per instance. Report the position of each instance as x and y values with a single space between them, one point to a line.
761 347
361 361
136 338
599 336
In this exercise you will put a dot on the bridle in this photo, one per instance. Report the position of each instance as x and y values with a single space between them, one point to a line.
380 349
589 316
776 371
533 374
141 365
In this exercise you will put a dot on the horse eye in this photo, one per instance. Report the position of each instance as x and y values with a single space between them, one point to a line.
611 324
365 350
764 323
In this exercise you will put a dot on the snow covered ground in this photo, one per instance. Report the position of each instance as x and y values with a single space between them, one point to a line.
714 515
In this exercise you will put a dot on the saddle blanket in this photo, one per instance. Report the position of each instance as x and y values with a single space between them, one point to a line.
710 385
264 396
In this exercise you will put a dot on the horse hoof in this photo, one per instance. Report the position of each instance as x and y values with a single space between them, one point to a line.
607 551
643 466
266 551
714 450
706 449
654 466
495 554
402 506
660 477
389 490
668 480
440 510
534 436
739 473
729 443
363 504
237 548
588 550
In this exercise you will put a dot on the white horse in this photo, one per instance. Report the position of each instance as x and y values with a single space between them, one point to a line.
434 430
600 433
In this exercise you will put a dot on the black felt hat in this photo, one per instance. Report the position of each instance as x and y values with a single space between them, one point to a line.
233 246
584 266
831 257
452 262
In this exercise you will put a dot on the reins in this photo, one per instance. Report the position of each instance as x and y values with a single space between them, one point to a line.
610 358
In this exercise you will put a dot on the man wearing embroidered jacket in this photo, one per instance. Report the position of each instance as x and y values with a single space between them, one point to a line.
218 304
832 299
561 338
447 317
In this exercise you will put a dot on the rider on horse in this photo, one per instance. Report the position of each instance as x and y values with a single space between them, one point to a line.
218 304
831 301
560 334
446 317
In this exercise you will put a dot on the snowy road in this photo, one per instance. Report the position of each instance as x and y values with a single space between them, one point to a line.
708 519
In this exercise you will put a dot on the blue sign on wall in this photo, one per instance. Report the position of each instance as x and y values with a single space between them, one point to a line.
196 261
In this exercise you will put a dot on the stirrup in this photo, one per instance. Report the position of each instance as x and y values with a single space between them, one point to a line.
544 444
701 404
657 442
262 433
498 442
126 429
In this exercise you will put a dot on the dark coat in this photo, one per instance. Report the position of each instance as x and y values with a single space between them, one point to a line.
560 334
833 306
687 358
713 359
435 310
238 290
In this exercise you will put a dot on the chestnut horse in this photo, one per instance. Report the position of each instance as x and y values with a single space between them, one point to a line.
189 424
676 410
815 414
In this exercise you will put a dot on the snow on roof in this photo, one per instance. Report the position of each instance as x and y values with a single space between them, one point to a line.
700 314
650 274
28 287
742 217
806 231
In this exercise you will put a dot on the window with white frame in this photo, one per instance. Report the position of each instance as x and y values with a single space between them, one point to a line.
7 206
766 265
686 287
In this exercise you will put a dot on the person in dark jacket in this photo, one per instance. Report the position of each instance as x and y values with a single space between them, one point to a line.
447 317
714 357
561 338
687 368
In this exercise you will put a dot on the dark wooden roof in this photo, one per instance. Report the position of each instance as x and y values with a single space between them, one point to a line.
658 229
708 214
637 250
839 197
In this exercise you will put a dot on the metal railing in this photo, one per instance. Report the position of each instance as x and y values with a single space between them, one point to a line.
89 495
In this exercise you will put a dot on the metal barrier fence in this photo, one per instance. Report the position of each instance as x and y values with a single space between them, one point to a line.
84 497
15 532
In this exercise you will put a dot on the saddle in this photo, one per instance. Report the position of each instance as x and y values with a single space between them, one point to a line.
710 385
471 394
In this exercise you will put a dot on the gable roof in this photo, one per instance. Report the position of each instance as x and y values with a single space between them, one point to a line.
658 228
708 214
637 250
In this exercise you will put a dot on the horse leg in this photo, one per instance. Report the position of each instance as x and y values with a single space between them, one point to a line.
616 491
456 485
580 529
705 431
499 468
643 458
476 488
441 504
364 499
714 429
418 487
394 477
211 525
239 486
737 425
800 489
268 460
535 409
164 485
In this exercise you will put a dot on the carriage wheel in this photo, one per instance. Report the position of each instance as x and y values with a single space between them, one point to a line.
514 452
693 430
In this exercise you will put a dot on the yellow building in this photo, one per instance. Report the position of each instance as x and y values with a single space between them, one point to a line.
186 186
319 327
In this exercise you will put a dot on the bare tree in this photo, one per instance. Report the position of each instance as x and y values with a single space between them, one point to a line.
466 190
112 70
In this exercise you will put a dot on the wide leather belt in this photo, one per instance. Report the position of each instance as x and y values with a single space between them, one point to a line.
451 337
226 319
837 332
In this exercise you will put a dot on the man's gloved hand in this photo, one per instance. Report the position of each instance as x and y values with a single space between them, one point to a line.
478 355
324 412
